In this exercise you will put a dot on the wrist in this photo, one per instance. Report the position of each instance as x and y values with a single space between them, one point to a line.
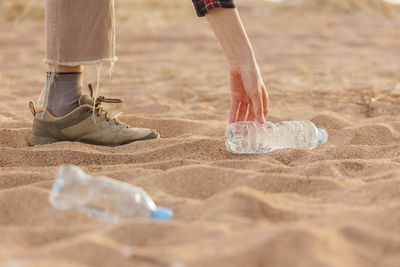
248 60
241 56
248 67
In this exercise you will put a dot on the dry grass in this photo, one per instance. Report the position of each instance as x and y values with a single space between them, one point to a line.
160 12
20 10
153 12
139 12
369 7
347 6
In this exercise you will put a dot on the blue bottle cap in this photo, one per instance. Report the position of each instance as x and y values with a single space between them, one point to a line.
322 136
161 213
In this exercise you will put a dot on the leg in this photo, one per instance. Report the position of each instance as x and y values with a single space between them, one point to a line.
74 36
63 89
78 68
79 32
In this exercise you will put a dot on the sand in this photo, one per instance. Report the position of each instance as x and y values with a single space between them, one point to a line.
338 205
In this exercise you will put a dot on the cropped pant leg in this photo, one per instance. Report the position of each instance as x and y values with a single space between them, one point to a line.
80 32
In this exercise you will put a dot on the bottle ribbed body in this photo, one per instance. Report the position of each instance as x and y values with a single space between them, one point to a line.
99 197
254 138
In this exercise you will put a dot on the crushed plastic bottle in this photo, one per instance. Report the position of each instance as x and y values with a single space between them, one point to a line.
251 137
102 198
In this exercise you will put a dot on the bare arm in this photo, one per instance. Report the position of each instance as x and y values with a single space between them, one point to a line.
247 87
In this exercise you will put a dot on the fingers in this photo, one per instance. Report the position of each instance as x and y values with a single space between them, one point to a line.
242 112
233 112
257 103
265 101
251 116
238 112
250 112
249 95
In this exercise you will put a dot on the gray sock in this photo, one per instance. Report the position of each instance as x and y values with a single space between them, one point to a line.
63 92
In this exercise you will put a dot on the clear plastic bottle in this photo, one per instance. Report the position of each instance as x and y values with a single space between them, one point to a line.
251 137
102 198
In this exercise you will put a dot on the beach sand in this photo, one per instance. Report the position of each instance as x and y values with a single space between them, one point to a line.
338 205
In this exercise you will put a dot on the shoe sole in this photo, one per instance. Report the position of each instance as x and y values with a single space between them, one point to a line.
39 140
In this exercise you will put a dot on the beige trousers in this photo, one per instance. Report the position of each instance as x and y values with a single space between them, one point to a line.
80 32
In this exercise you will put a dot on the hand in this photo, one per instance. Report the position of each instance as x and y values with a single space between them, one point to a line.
247 92
247 87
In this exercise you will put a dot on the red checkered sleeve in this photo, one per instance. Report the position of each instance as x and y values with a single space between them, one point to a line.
203 6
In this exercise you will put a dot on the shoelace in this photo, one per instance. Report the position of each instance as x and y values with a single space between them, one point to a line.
99 109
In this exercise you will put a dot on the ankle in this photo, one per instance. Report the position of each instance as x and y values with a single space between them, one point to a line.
63 92
67 69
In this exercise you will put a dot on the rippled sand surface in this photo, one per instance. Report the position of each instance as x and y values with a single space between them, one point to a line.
338 205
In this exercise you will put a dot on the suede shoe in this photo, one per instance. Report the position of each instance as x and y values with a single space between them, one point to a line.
88 123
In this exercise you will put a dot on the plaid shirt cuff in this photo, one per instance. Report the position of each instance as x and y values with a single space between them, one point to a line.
203 6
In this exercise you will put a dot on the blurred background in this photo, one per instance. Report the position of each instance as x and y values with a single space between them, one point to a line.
154 12
333 49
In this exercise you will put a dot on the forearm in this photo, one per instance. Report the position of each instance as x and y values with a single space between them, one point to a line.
232 36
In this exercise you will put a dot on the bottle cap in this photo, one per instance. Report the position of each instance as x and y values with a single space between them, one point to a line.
161 213
322 136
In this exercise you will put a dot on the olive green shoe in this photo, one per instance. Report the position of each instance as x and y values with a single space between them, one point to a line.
85 125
